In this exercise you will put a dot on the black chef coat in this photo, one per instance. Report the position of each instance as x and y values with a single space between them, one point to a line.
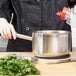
30 16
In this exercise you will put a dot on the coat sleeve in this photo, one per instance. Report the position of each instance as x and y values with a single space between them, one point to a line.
71 3
5 9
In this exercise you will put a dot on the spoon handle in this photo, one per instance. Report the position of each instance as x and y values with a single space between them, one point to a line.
24 37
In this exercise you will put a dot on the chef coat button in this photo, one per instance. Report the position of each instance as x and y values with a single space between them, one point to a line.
27 28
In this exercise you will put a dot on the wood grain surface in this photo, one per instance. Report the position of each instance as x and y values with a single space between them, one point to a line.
61 69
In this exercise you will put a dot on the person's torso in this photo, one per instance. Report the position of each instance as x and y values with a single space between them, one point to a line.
33 15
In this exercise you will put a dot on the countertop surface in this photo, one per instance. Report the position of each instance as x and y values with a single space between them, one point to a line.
59 69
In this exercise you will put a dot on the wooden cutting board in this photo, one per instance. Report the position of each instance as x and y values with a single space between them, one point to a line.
61 69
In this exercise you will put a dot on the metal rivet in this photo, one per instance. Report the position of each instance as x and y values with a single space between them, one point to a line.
38 0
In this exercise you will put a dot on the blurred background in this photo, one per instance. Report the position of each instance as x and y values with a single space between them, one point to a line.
3 44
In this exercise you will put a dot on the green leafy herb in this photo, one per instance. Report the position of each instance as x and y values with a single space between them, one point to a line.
11 65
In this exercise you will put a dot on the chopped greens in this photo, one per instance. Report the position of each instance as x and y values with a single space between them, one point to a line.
11 65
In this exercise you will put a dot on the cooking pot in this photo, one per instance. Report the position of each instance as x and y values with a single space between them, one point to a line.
48 43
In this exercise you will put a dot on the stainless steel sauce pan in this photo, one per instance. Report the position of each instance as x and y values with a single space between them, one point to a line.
48 43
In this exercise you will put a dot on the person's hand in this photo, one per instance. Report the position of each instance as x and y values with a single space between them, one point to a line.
6 29
75 9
